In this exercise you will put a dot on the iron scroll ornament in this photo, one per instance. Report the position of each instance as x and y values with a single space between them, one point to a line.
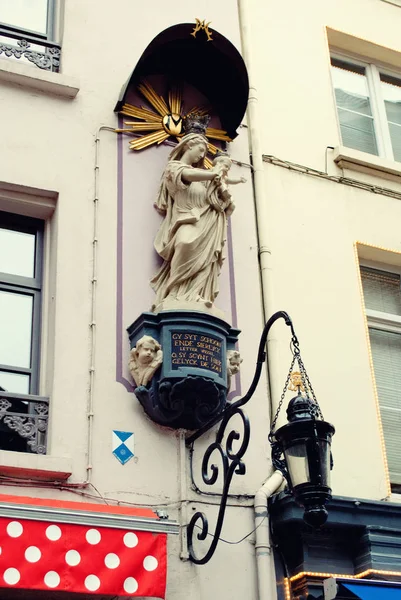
232 463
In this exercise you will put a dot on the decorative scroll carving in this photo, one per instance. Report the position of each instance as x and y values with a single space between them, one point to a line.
49 60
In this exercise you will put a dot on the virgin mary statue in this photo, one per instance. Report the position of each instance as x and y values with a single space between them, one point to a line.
193 233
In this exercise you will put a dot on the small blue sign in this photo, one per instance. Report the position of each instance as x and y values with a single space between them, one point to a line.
123 445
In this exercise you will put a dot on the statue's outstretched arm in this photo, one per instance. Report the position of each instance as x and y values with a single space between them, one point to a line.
190 175
234 181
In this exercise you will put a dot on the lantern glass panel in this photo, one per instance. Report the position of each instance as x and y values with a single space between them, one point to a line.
297 464
324 450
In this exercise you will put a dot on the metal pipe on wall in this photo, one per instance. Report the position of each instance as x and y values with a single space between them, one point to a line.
264 567
263 223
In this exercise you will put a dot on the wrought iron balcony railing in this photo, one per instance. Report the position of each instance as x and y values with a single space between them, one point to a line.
26 416
48 59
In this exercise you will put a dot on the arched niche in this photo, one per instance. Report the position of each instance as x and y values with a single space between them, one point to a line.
214 67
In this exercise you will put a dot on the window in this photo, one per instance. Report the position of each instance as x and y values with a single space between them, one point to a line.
369 107
382 293
21 254
27 32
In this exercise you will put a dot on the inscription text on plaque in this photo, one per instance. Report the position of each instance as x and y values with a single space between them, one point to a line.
196 350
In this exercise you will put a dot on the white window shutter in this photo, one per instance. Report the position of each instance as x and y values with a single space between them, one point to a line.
382 293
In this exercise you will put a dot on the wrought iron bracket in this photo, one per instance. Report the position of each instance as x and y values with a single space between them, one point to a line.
231 458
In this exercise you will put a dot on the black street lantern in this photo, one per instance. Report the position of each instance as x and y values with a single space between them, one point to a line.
300 449
305 442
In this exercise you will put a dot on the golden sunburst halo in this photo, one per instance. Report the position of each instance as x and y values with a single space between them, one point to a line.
167 121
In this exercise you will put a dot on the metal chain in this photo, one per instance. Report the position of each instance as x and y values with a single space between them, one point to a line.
308 386
280 404
316 411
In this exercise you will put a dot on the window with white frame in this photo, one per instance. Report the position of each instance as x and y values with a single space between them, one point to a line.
382 294
23 414
28 32
368 100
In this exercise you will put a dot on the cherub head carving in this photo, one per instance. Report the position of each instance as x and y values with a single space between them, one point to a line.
234 361
145 359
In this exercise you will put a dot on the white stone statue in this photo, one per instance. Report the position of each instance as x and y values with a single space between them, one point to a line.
195 202
145 359
219 186
234 361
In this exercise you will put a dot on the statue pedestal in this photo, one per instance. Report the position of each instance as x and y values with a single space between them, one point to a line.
190 388
185 306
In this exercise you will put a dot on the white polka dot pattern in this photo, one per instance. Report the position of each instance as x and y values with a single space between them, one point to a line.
93 536
53 533
14 529
11 576
111 561
130 539
92 583
32 554
130 585
150 563
85 559
72 558
52 579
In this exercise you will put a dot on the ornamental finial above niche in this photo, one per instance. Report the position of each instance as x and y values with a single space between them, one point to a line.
202 26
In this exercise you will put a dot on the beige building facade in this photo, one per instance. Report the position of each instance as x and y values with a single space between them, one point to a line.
319 150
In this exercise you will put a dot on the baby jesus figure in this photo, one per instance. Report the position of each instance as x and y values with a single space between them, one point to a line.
222 163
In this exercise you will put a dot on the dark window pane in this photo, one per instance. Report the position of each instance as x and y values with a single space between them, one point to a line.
15 329
17 253
14 382
25 14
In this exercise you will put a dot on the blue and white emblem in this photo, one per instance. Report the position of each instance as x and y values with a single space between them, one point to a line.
123 445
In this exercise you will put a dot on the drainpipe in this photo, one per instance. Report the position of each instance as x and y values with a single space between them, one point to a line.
265 573
264 569
263 219
261 206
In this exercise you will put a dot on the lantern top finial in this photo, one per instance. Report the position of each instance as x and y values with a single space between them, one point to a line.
296 383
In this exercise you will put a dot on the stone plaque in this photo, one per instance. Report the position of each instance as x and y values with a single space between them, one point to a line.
197 350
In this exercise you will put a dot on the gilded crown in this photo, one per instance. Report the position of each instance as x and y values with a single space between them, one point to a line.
196 123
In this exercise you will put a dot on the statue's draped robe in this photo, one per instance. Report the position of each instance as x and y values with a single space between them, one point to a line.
190 239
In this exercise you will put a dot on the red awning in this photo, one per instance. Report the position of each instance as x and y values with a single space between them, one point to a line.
82 548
